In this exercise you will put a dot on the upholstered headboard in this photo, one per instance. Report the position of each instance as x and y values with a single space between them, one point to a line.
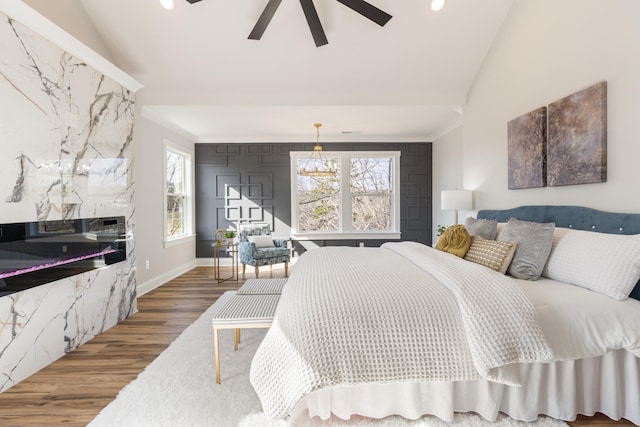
576 217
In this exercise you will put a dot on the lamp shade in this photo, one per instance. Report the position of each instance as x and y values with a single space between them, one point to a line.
456 200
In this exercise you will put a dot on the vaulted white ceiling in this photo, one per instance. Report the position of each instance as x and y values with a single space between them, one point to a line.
406 81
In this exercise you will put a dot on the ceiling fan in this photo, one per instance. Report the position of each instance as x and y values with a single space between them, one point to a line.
364 8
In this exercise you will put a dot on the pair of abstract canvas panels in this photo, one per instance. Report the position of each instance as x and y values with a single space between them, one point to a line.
562 144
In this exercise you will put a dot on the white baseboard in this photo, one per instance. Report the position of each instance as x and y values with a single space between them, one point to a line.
226 262
208 262
160 280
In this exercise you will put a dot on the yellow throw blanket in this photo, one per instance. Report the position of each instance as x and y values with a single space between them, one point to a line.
455 240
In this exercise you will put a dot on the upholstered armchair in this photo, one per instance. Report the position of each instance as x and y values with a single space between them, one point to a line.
258 248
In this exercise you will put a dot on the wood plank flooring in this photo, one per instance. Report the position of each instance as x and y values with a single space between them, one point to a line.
72 390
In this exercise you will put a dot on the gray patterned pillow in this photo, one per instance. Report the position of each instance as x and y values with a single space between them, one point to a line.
486 228
533 247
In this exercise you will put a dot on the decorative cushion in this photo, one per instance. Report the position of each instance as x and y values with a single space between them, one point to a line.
533 246
261 241
455 240
604 263
487 228
270 252
495 254
635 293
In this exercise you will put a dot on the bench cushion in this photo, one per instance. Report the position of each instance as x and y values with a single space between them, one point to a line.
262 286
246 309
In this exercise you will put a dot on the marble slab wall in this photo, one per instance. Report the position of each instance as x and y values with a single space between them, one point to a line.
66 139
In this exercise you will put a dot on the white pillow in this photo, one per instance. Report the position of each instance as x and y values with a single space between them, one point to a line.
604 263
261 241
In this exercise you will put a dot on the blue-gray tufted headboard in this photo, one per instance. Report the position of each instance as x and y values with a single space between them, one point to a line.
576 217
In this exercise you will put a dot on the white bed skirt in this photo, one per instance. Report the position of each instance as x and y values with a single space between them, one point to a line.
609 384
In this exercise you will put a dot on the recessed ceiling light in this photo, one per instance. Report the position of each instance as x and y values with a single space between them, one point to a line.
167 4
437 5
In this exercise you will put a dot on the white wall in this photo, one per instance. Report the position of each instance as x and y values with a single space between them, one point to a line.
546 50
447 174
164 263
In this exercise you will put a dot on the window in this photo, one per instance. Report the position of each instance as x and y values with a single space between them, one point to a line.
361 201
178 198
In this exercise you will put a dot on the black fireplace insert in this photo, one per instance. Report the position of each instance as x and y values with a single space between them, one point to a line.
35 253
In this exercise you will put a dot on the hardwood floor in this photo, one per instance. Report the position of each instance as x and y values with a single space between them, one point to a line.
73 389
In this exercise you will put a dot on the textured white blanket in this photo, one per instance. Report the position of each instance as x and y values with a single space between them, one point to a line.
402 312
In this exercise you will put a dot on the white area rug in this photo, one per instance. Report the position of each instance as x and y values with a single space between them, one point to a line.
178 389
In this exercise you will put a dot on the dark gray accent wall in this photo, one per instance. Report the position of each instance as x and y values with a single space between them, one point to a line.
255 179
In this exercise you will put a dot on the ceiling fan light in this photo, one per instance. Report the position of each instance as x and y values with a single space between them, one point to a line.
437 5
167 4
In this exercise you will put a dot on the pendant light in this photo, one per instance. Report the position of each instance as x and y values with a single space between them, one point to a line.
317 165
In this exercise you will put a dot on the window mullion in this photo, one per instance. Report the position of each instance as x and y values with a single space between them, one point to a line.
345 193
293 163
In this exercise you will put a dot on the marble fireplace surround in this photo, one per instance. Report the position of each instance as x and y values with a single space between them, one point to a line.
66 130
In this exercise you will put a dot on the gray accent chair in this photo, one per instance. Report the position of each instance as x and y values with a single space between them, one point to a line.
258 255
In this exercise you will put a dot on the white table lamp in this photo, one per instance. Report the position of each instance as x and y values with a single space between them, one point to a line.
456 200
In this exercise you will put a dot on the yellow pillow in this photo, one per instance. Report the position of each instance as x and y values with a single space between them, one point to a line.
455 240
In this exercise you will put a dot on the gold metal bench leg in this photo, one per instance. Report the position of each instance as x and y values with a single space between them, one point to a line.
236 338
257 272
216 351
286 269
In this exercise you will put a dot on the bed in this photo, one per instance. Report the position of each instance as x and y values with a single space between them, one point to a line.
407 329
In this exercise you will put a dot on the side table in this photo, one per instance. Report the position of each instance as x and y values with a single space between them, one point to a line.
229 249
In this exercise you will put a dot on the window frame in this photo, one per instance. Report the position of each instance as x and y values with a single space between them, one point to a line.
345 212
188 179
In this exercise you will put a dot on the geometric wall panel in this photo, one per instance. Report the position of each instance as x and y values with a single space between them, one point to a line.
245 202
252 183
266 183
222 181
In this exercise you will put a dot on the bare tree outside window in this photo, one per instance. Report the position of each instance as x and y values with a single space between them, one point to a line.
371 190
319 201
362 201
175 194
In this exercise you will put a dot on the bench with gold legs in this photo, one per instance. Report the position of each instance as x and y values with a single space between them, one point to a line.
239 311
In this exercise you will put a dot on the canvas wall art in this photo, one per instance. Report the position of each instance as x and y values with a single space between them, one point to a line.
527 145
577 131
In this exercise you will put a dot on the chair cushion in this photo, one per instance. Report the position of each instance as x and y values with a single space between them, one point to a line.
270 252
253 229
261 241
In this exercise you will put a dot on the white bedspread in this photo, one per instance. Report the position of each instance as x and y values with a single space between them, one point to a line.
403 312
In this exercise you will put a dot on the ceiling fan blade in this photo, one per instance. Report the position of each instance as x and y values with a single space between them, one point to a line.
264 20
314 23
367 10
193 1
